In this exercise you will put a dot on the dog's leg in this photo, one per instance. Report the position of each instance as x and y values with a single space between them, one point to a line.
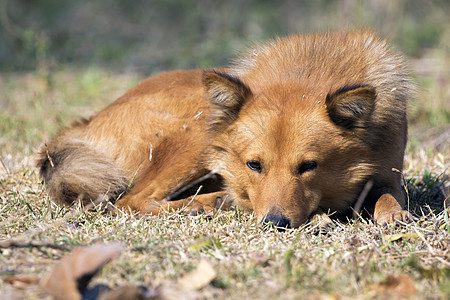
174 162
191 205
150 193
388 210
321 220
203 203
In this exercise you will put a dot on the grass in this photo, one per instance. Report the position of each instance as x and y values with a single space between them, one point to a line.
353 261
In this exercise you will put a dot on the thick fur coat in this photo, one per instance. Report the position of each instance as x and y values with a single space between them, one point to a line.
296 127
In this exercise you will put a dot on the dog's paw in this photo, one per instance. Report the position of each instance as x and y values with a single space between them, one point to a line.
208 203
196 208
223 202
321 223
323 229
395 217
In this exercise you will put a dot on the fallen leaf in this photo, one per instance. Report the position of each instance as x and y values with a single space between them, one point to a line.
399 236
354 241
172 290
186 287
435 273
402 285
205 242
198 278
21 280
71 275
262 260
129 292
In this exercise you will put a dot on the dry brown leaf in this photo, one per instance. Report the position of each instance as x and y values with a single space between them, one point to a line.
198 278
398 236
187 286
71 275
129 292
401 285
173 291
21 280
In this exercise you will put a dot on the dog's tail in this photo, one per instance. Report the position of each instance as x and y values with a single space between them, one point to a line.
74 171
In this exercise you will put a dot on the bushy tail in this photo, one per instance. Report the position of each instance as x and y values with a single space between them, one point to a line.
73 171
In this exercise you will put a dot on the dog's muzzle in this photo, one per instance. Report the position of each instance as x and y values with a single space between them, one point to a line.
277 220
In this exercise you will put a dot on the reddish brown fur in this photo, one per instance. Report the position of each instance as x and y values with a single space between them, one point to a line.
318 115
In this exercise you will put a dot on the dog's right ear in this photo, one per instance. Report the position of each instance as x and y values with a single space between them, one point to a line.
226 94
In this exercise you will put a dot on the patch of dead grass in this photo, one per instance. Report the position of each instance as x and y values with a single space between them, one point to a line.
250 262
349 262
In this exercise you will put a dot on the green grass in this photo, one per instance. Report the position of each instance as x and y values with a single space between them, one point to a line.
349 262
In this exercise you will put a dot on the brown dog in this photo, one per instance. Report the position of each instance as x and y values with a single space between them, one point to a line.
296 128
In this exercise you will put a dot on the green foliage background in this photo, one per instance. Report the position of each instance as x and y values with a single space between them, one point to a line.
147 36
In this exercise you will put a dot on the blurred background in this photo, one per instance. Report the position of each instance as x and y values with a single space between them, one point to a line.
150 35
71 56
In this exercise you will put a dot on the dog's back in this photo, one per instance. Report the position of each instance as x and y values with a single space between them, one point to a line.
161 117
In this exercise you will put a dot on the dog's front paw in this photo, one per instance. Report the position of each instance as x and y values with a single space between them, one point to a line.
389 211
224 201
393 217
321 222
208 203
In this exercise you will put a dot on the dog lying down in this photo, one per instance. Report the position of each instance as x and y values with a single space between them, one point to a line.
296 127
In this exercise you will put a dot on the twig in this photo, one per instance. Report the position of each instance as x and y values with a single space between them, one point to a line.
17 242
189 243
420 235
192 199
224 200
4 166
160 204
404 184
357 208
48 156
31 244
171 244
431 249
191 184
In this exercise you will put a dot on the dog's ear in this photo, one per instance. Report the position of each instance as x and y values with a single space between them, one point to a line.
351 106
226 94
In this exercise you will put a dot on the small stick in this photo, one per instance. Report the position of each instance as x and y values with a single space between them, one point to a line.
191 184
17 243
357 208
4 166
48 156
157 204
33 244
192 199
404 184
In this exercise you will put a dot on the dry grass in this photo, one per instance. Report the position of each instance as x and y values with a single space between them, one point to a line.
350 262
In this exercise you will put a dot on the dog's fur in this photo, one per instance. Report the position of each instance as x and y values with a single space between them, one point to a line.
296 128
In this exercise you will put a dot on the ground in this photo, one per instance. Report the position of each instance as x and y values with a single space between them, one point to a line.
355 260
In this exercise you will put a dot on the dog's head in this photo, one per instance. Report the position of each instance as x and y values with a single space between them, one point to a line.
285 150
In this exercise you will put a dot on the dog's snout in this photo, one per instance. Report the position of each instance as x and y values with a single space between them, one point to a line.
278 220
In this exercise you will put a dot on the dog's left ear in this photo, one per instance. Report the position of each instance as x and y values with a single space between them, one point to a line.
226 94
351 106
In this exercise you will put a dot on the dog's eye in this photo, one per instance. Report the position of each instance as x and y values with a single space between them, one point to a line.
254 165
307 166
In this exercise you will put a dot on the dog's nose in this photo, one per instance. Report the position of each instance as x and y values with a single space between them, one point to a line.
278 220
